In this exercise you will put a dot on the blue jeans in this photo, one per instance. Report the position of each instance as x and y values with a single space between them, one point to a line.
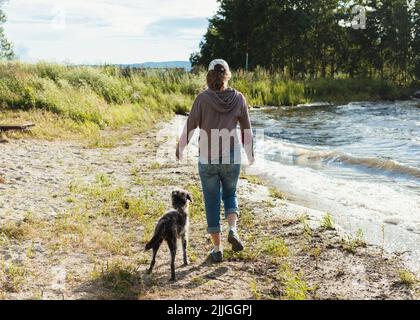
219 182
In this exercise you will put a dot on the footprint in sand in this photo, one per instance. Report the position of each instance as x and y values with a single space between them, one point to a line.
58 282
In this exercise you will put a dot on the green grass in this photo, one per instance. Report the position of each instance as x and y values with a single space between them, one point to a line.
66 101
262 88
252 179
275 247
256 294
347 89
155 166
407 278
120 278
276 194
294 286
103 180
316 254
196 210
14 230
12 276
327 222
307 230
247 218
247 255
108 200
351 243
199 280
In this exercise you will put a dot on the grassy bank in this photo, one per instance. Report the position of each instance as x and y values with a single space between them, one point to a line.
79 102
263 88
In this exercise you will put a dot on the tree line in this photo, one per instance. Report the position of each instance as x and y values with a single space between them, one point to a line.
6 48
318 38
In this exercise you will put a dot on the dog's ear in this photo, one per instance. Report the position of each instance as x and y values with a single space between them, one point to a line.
189 197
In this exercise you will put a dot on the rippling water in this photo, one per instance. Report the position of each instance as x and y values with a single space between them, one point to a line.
360 161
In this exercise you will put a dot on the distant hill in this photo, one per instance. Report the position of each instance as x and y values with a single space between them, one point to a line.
161 65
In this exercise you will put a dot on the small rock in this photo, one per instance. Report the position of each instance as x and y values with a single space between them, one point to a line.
38 248
2 180
393 220
417 94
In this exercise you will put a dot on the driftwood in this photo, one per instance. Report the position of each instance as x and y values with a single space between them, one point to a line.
16 127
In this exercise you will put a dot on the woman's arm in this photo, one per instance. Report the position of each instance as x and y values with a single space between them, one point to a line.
246 133
187 133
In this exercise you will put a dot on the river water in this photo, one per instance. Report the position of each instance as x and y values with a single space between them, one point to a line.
359 161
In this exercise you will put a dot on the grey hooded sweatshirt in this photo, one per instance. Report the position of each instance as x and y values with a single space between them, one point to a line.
217 114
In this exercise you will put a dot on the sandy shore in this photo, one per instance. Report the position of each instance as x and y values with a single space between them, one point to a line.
73 222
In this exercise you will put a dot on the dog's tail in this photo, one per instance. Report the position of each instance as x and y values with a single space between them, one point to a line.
160 229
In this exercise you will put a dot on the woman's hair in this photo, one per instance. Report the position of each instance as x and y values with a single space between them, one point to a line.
216 78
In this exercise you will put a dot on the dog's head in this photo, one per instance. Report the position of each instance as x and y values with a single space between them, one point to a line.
180 199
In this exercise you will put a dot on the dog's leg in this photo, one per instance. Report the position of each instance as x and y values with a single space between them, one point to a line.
172 247
184 247
152 264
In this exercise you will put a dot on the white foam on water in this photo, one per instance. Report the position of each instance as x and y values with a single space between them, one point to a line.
354 203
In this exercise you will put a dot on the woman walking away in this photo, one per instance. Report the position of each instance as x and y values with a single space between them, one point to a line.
217 112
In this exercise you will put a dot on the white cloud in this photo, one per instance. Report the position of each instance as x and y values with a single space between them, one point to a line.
115 31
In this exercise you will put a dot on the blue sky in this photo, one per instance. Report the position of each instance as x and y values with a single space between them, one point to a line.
112 31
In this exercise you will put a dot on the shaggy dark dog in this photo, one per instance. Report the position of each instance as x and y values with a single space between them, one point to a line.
173 225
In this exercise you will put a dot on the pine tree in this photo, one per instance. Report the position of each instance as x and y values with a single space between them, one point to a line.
6 48
416 39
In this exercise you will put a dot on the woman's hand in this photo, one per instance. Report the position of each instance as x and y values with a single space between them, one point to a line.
178 155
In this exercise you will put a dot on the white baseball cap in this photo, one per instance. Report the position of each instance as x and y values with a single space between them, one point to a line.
221 62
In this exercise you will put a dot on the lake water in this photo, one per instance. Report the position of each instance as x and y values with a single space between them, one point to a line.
359 161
